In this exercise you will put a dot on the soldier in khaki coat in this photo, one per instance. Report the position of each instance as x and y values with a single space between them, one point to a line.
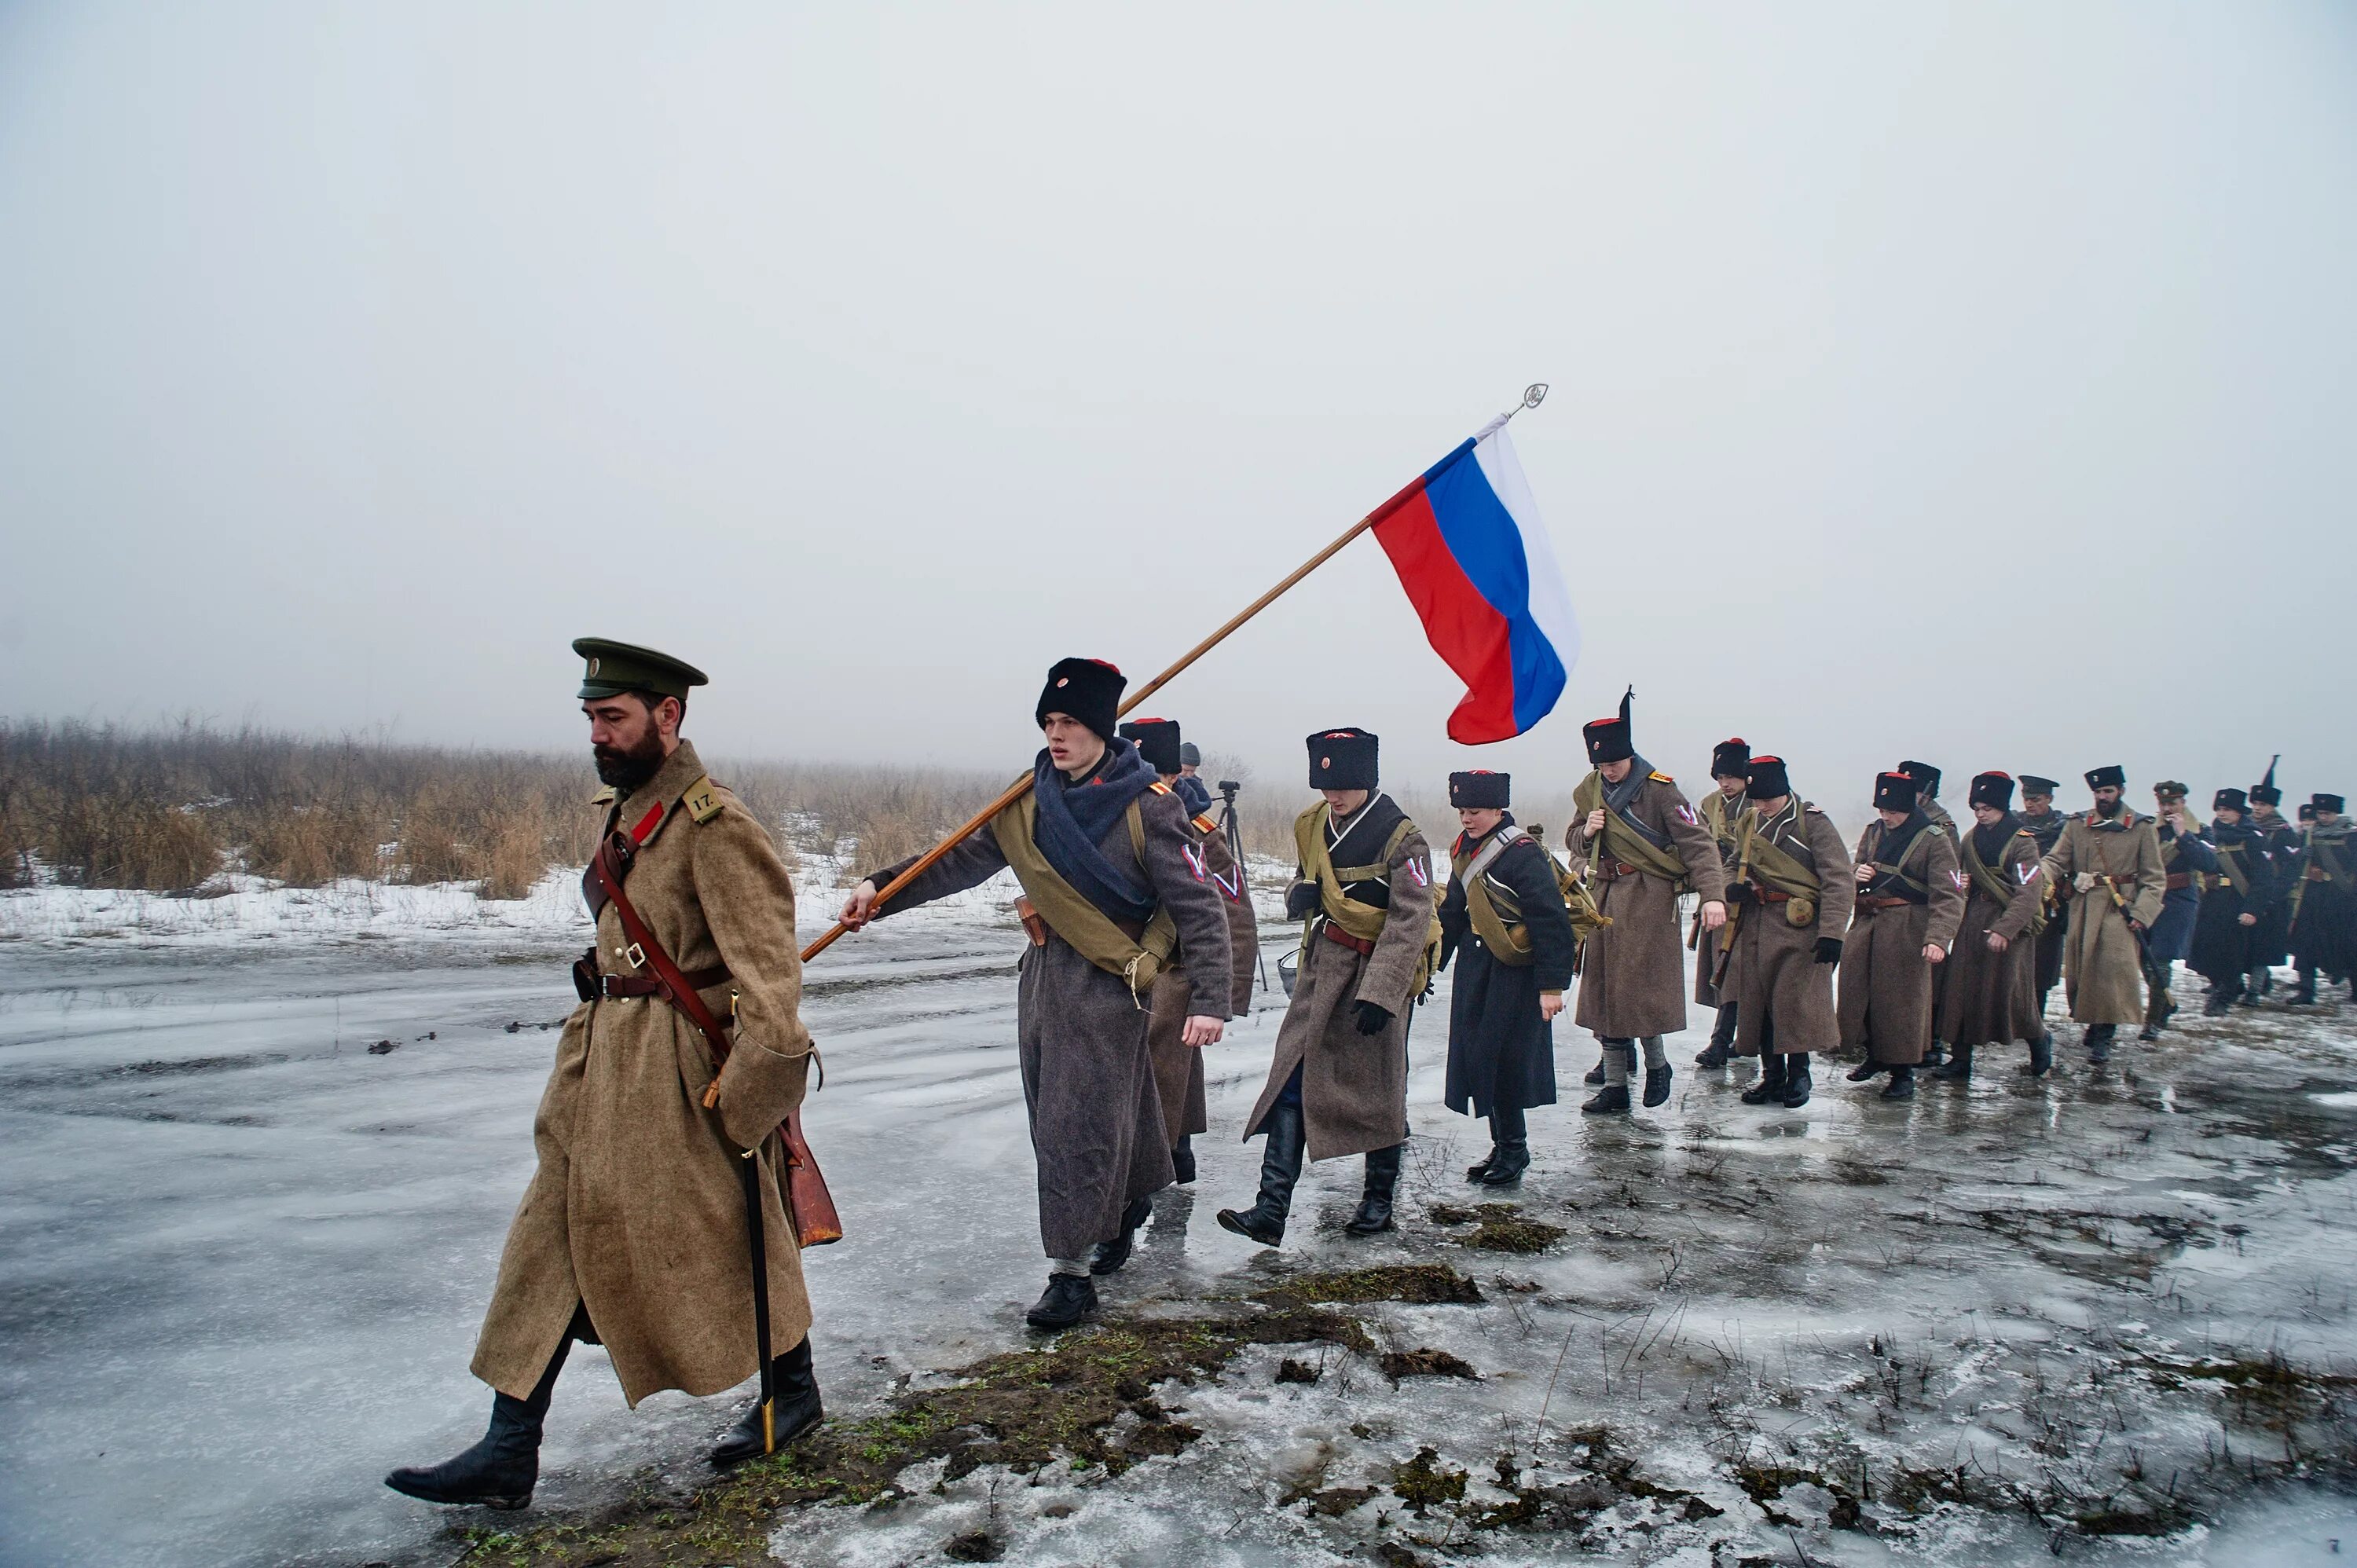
1644 844
1991 993
1911 894
1177 1066
1927 800
1731 762
1793 887
2111 859
633 1232
1338 1081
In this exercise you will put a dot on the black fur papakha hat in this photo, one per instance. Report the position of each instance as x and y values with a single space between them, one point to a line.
1157 742
2113 777
1765 779
1994 791
1894 791
2326 804
1608 739
1480 790
2230 800
1926 776
1342 758
1088 689
1730 757
2264 792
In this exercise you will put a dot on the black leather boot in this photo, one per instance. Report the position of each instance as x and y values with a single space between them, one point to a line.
1902 1082
1513 1159
1959 1067
1866 1071
1182 1160
1769 1089
2041 1056
500 1471
1657 1084
1110 1255
1796 1081
2306 996
1480 1167
1612 1098
1721 1050
1935 1054
1375 1198
1595 1073
2099 1041
794 1388
2214 1005
1280 1167
1066 1300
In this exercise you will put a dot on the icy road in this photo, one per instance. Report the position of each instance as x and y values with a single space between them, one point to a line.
251 1204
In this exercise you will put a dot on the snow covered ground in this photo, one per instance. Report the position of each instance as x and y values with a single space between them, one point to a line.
252 1194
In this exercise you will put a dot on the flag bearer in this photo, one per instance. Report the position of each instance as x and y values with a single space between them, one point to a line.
1504 920
1911 894
1338 1082
1112 888
1729 761
1795 888
2111 858
1991 993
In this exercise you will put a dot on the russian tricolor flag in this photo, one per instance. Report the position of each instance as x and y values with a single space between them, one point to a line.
1470 548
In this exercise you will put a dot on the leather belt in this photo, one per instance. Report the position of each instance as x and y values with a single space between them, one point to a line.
1881 902
1613 870
2178 879
2318 874
1335 933
1770 896
614 985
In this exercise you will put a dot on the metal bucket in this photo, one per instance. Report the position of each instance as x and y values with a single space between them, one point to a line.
1288 968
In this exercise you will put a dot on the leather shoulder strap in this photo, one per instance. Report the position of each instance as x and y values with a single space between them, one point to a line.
676 989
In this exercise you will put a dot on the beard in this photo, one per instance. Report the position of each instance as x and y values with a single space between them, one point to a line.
2108 809
628 767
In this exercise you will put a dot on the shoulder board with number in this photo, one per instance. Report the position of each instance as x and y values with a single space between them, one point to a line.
702 800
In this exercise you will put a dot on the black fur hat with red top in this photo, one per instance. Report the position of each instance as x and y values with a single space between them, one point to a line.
1894 791
1157 742
1480 790
1994 791
1730 759
1088 689
1342 758
1608 739
1765 779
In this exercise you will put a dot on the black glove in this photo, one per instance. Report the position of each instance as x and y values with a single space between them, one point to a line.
1301 900
1829 949
1739 893
1372 1019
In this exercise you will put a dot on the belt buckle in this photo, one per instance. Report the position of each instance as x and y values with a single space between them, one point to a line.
605 986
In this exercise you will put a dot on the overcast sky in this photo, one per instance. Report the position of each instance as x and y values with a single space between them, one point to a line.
1967 382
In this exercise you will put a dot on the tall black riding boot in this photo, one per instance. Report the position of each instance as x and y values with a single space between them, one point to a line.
2099 1042
2221 997
1111 1254
1796 1080
2306 996
2041 1055
1769 1089
1507 1125
1182 1160
794 1386
1721 1050
1375 1198
1902 1082
1959 1066
500 1471
1280 1167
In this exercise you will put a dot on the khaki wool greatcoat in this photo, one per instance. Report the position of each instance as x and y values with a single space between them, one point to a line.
1177 1066
637 1211
1719 816
2102 969
1354 1086
1886 981
1783 997
1632 977
1992 997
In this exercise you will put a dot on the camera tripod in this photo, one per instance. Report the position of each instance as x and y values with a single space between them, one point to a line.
1229 789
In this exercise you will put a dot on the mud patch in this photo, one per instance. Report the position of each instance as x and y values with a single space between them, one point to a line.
1419 1284
1498 1227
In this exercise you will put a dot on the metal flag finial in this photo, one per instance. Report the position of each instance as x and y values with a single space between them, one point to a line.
1535 394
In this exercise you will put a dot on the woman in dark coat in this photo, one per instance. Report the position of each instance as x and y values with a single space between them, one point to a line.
1505 921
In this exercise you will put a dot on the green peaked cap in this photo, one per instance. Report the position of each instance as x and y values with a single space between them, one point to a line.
614 668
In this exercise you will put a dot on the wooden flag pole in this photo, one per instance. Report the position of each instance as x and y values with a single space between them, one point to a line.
1532 396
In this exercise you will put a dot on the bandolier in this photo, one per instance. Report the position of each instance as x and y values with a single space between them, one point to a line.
1992 994
1910 895
2238 897
2111 857
1794 889
1505 924
1719 809
2324 901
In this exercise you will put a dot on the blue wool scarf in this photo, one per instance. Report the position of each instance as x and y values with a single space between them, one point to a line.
1070 818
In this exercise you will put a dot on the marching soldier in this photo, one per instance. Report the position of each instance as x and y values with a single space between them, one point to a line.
1911 894
1505 922
2324 910
1177 1066
1338 1082
2044 824
1113 889
2184 861
2237 895
634 1231
1729 762
2111 858
1991 993
1927 792
2272 944
1795 888
1646 845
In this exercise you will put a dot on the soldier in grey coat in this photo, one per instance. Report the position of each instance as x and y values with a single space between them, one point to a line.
1911 894
1795 888
1337 1082
1080 1026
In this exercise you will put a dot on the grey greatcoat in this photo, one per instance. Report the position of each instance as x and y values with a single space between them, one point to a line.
1632 977
1783 997
1886 981
1088 1077
1992 997
1719 816
1177 1066
2107 864
1354 1086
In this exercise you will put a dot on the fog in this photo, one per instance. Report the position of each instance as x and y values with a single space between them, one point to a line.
1970 384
